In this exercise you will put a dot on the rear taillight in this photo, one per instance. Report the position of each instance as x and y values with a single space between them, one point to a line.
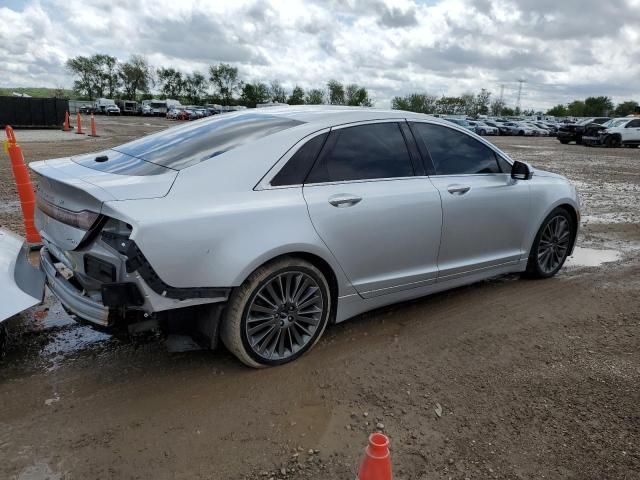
84 219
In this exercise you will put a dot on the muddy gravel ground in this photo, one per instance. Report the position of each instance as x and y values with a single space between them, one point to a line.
507 378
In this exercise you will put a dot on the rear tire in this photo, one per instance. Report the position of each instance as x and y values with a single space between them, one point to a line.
563 141
278 314
552 244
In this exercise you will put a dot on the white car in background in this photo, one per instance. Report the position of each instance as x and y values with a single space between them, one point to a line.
539 132
112 110
620 132
482 128
517 128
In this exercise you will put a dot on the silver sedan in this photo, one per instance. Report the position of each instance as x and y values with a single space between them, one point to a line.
263 227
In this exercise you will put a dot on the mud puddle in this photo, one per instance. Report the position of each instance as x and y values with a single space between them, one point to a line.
591 257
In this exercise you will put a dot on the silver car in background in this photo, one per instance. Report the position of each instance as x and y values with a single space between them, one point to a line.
482 128
262 227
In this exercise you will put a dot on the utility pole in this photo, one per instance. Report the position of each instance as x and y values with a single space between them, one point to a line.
501 93
520 82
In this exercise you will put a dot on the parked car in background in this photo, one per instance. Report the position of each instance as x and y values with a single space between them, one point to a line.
462 122
112 110
572 132
617 132
538 131
86 109
101 104
481 128
517 128
551 129
173 114
502 130
278 204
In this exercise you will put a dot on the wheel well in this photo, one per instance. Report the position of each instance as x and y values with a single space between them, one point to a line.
574 216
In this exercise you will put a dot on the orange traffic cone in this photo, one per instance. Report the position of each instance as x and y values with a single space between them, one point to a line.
66 128
376 464
93 127
79 128
23 184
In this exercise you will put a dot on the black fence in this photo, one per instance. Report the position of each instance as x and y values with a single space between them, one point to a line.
32 112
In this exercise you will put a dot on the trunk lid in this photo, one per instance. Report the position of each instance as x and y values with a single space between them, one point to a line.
85 182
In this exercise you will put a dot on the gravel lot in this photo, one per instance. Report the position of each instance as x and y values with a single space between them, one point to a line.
503 379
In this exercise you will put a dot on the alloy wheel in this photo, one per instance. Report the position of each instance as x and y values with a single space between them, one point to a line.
554 244
284 315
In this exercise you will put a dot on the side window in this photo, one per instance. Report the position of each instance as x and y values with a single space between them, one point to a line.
297 168
505 167
456 153
633 124
363 152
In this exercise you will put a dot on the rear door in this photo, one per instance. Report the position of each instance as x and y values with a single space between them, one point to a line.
379 219
485 211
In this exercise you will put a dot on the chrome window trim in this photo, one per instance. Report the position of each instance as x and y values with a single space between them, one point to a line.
265 182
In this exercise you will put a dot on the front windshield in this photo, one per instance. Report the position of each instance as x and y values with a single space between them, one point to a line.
616 123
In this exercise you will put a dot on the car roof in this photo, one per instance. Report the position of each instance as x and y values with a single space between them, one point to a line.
328 115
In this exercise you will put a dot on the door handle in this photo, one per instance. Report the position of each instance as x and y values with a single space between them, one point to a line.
343 200
458 189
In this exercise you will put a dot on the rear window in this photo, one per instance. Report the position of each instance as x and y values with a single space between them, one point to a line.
183 146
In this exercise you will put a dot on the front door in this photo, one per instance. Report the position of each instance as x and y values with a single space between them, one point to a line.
485 211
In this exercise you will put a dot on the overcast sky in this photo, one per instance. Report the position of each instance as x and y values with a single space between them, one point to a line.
565 49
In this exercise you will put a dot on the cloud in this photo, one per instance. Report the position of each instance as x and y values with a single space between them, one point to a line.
565 49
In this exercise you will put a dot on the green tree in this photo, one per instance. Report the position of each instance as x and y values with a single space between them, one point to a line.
576 109
415 102
195 87
453 105
336 92
296 97
254 93
468 104
84 69
107 79
482 101
225 81
171 82
597 106
558 111
497 107
135 76
508 112
315 96
626 108
357 96
277 92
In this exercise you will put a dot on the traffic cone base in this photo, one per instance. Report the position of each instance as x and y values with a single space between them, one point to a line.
376 464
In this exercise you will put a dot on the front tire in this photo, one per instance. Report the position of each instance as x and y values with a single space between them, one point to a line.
278 313
552 244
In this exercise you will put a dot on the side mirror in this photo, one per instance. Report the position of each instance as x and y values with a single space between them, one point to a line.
520 171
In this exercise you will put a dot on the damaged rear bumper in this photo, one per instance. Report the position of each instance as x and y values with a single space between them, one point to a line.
71 297
21 284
